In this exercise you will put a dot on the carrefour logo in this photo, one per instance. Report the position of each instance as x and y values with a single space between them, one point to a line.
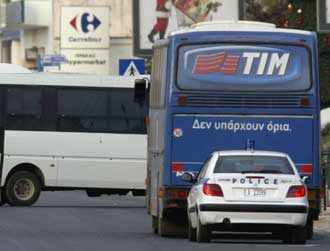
256 63
85 22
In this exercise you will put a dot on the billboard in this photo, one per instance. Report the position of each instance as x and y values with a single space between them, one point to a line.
156 19
260 67
323 15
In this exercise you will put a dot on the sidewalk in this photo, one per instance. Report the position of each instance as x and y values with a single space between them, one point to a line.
323 225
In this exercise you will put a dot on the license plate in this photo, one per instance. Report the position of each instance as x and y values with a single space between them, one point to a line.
255 192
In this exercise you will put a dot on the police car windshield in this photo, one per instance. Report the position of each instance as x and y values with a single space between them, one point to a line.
253 164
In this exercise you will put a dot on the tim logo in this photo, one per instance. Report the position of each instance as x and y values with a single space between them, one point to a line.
85 22
258 63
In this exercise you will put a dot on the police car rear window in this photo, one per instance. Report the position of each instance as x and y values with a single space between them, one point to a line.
242 67
253 164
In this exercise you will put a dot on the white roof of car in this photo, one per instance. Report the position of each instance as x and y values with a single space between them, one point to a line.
251 153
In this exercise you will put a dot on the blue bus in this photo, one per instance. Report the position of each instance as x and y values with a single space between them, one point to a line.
217 86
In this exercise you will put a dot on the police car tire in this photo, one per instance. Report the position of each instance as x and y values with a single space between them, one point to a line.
12 198
294 235
298 235
202 232
191 232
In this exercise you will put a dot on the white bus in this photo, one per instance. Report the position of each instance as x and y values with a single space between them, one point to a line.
65 131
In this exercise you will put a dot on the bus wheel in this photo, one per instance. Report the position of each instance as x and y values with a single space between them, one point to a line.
93 193
22 189
3 198
164 227
155 224
309 228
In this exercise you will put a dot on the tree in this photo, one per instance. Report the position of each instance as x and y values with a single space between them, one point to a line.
295 14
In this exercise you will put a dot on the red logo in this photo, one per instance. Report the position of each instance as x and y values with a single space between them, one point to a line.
219 62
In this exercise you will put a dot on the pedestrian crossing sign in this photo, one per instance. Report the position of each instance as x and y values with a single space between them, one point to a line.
131 67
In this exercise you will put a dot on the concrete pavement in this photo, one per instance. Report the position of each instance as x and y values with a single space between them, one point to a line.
72 221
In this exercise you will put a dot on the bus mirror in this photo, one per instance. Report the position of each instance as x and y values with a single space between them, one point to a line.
306 179
140 89
188 177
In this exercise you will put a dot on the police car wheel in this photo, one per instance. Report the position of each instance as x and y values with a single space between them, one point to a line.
299 235
202 232
294 235
191 232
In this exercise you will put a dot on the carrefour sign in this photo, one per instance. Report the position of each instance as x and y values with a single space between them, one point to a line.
85 27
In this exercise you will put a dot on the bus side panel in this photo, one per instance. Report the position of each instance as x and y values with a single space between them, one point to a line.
92 160
155 171
204 134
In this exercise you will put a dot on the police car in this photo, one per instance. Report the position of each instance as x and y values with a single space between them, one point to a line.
248 191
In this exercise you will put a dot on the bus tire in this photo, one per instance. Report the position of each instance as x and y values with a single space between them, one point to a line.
164 227
155 224
22 189
93 193
3 197
309 228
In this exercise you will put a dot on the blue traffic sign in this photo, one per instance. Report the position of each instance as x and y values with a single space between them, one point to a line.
50 60
131 67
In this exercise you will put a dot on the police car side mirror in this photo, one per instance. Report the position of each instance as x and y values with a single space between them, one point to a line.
306 179
188 177
140 89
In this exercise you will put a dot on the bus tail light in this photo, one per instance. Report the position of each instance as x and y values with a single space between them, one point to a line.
311 195
306 168
304 102
178 194
212 190
182 100
147 120
161 192
177 167
296 192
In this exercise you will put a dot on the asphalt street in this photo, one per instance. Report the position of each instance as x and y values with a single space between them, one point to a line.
72 221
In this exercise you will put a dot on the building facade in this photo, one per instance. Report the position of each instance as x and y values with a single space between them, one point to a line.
32 28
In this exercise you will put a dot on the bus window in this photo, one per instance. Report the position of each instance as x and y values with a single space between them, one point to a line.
158 78
24 106
82 110
126 115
